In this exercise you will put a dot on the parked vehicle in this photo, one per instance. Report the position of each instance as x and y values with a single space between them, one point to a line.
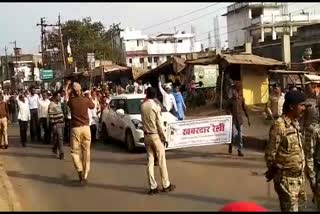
122 121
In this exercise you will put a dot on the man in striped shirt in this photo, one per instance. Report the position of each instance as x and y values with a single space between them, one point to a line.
57 124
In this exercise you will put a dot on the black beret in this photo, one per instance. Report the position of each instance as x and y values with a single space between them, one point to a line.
294 97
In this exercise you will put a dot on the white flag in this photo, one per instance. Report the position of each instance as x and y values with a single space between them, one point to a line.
69 48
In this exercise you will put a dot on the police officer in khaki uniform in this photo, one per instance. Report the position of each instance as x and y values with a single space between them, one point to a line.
155 142
284 154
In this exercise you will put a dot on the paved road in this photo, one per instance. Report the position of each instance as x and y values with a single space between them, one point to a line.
206 179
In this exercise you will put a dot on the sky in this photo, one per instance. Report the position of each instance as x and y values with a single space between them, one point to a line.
18 20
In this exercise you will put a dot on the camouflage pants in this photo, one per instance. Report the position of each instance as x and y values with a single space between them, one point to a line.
291 193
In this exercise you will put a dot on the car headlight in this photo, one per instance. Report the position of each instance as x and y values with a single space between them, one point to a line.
137 124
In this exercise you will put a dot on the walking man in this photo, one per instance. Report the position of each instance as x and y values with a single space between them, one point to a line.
237 108
57 124
155 142
44 103
4 116
23 117
80 132
284 155
34 122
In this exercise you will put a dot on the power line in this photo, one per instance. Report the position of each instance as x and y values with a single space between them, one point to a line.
178 17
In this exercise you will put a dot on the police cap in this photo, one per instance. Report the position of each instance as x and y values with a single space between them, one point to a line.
294 98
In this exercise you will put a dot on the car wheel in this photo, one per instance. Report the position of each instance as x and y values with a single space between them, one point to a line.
130 141
104 134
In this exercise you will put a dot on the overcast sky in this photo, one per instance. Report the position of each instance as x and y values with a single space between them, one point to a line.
18 20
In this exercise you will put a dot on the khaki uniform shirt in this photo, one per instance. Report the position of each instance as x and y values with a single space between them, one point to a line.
152 119
284 149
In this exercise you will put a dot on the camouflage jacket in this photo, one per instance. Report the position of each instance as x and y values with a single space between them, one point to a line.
284 149
311 139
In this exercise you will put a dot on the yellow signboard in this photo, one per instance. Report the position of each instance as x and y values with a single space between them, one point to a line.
70 60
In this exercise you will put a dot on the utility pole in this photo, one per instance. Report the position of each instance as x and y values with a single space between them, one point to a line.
43 44
15 65
62 48
217 42
286 46
7 67
209 41
42 24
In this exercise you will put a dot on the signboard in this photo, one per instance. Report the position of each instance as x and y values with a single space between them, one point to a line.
70 60
91 60
200 132
207 74
46 74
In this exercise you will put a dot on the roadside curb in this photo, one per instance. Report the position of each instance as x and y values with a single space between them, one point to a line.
14 203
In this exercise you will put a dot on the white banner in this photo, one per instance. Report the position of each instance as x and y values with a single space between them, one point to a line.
200 132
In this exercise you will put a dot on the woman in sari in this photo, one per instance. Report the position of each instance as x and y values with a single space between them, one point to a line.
181 107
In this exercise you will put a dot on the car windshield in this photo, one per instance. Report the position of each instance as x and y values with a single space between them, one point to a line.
133 105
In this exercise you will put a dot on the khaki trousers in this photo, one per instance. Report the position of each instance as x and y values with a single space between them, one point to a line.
80 145
4 131
154 146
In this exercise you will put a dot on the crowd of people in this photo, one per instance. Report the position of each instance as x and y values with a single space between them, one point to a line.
70 115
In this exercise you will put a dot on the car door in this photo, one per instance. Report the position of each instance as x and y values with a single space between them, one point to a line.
111 118
120 121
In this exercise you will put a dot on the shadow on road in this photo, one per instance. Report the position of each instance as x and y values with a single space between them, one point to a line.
65 181
229 164
33 155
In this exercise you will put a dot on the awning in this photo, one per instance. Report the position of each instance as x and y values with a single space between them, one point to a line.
312 78
173 65
242 59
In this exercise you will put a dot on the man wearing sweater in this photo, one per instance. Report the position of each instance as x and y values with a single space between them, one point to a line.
57 123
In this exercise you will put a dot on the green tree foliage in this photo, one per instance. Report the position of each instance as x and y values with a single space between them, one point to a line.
87 36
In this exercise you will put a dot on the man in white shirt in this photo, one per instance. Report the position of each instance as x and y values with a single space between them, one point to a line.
168 100
23 117
34 121
44 103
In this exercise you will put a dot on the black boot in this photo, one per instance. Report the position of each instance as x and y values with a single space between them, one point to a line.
230 149
61 156
240 154
80 175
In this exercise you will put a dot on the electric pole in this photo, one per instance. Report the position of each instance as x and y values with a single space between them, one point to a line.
7 67
62 48
217 42
42 24
44 45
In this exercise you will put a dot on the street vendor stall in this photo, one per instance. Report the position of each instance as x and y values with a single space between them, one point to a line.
250 70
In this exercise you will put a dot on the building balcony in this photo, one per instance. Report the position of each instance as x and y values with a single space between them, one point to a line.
173 48
276 20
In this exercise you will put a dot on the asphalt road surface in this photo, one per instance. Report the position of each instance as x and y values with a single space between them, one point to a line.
206 179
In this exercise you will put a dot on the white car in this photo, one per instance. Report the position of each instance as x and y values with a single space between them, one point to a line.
123 120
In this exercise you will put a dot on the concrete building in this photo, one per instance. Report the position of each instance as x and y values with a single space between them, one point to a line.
22 68
148 52
261 22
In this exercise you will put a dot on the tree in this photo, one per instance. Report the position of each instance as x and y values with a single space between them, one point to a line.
87 36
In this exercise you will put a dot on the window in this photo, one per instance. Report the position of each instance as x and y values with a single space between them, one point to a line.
113 104
168 57
179 41
141 60
155 59
150 59
256 12
151 42
139 42
178 56
122 105
130 61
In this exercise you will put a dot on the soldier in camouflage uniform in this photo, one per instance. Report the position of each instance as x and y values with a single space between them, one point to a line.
284 155
311 129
